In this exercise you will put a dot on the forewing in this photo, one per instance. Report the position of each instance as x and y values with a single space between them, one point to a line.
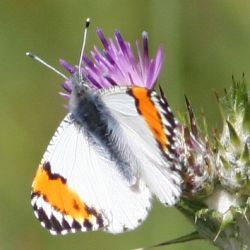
149 128
76 188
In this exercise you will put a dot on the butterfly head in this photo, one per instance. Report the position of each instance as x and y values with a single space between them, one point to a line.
79 89
79 81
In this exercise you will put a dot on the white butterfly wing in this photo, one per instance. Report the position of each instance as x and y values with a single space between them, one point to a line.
148 125
76 188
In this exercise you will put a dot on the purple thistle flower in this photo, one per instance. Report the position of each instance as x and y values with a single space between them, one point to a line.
117 64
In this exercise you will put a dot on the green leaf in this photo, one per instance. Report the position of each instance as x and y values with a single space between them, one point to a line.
234 138
245 154
189 237
246 118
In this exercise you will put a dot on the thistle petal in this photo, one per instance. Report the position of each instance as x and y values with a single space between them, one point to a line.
118 65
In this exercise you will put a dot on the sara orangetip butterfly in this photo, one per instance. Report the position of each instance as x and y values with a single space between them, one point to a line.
108 156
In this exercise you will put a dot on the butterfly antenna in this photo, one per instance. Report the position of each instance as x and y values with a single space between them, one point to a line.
83 47
38 59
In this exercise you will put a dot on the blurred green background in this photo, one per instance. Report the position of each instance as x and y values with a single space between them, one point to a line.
205 43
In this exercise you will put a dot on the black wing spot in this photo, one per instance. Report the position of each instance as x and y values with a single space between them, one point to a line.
76 225
99 221
51 176
76 205
55 224
65 224
44 218
88 225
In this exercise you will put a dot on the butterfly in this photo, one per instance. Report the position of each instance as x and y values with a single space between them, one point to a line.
110 155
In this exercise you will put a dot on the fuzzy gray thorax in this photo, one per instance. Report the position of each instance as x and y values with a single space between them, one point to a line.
90 112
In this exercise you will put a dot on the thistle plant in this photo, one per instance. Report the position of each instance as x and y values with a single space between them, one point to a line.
215 169
216 173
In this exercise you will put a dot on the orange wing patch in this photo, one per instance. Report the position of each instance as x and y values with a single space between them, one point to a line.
59 208
55 190
148 110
